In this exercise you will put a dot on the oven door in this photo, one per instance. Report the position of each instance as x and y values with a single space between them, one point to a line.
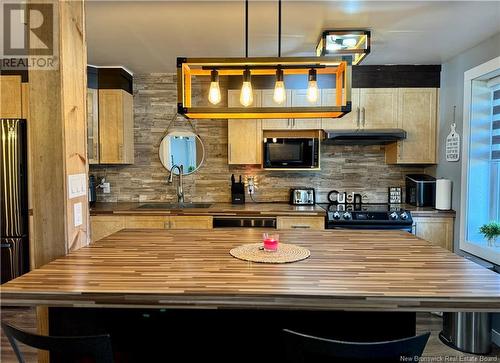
290 153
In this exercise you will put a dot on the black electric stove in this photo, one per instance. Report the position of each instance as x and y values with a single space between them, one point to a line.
367 216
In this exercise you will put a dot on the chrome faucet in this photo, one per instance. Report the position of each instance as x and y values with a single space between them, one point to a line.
180 191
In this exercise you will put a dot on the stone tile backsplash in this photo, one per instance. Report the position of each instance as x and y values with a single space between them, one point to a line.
344 168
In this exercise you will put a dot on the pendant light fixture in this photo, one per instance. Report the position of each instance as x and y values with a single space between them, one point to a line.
312 87
214 96
279 95
335 72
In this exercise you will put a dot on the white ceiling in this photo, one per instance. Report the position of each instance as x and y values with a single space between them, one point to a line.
147 36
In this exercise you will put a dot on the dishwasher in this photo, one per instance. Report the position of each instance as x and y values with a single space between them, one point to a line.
245 222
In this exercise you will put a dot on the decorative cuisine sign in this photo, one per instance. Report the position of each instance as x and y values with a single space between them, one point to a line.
453 145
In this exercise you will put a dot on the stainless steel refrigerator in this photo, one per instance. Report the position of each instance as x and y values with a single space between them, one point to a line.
14 199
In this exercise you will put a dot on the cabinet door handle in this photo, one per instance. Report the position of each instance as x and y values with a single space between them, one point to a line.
364 115
414 229
120 152
293 123
301 226
288 123
357 117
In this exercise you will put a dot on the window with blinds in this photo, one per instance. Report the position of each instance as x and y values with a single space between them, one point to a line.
480 188
483 155
495 125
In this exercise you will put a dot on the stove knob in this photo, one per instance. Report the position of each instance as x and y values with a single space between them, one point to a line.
347 215
403 215
393 215
336 215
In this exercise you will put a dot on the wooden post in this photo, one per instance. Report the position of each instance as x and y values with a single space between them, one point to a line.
57 114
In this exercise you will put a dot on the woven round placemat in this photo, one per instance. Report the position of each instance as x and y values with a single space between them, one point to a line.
286 253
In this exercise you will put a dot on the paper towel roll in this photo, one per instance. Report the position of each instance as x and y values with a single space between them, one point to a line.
443 194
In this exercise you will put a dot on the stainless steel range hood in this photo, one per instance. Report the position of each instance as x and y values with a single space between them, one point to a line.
364 137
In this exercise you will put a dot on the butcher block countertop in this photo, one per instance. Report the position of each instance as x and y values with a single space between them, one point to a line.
247 209
347 270
226 209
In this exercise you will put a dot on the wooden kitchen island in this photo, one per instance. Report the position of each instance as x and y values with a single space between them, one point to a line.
347 270
158 291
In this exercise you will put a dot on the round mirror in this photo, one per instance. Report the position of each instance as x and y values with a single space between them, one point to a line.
182 148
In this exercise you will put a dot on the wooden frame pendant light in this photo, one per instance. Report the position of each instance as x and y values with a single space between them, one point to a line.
333 73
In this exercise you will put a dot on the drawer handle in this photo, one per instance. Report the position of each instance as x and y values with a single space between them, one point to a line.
299 226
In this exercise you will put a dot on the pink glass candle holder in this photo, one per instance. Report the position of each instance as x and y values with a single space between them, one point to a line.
270 242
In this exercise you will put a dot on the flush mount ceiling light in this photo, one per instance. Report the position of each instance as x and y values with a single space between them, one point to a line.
335 74
345 42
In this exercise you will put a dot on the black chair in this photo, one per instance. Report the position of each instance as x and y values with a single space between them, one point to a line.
97 347
306 348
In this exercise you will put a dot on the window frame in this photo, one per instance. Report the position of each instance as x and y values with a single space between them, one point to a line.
464 245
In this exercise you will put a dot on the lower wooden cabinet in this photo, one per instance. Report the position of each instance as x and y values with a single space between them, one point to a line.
315 223
190 222
105 225
147 222
437 230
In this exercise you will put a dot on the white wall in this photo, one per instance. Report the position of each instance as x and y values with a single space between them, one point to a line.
452 93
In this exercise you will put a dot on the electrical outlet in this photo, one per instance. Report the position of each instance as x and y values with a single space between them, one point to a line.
250 185
106 188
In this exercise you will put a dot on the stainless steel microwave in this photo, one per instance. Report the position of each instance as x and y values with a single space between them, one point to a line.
291 153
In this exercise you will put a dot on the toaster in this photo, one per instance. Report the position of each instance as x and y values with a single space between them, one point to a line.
302 196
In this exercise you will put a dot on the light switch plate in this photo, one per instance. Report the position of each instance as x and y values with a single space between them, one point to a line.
77 185
77 214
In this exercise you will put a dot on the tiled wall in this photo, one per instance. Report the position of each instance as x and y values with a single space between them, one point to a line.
344 168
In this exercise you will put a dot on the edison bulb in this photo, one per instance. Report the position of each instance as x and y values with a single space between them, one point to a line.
214 96
246 95
279 95
312 92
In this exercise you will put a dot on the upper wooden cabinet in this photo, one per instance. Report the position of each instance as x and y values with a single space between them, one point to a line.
233 98
10 97
372 108
299 99
268 101
93 125
294 98
116 127
378 108
349 121
244 141
110 116
417 114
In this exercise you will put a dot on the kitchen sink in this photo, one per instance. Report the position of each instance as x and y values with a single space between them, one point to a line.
158 206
